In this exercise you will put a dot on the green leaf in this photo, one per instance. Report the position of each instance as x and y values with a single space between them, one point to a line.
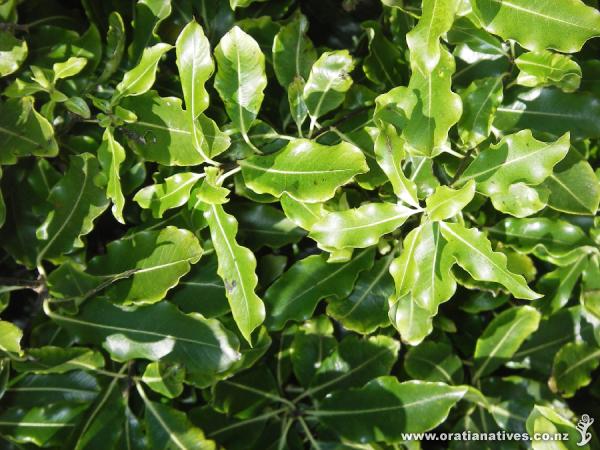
563 26
240 79
166 379
264 225
68 68
424 40
517 162
480 102
163 132
384 63
11 337
384 409
141 78
174 192
12 53
111 155
298 108
76 201
24 132
550 239
300 170
295 295
305 215
203 346
574 187
115 46
366 307
472 251
148 16
195 66
573 367
389 152
141 268
544 419
548 69
293 52
237 266
503 337
426 109
552 111
327 84
50 359
434 361
446 202
361 227
170 428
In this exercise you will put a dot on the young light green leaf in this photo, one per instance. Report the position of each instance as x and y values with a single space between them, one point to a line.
141 78
237 268
480 101
446 202
115 46
166 379
366 307
174 192
544 419
295 295
24 132
195 66
141 268
76 200
375 411
424 40
573 367
473 252
429 108
298 108
13 52
148 16
163 132
563 26
293 52
503 337
241 78
203 346
68 68
300 170
361 227
10 337
516 163
389 151
327 84
546 68
111 154
305 215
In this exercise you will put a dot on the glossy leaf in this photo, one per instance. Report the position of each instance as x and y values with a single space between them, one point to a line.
503 337
360 227
536 25
424 39
480 102
174 192
237 267
384 408
298 171
446 202
573 366
240 79
293 52
144 266
546 68
111 155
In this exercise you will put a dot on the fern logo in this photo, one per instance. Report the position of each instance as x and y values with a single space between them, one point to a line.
582 426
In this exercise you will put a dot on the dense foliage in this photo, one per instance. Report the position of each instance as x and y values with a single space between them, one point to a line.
298 224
